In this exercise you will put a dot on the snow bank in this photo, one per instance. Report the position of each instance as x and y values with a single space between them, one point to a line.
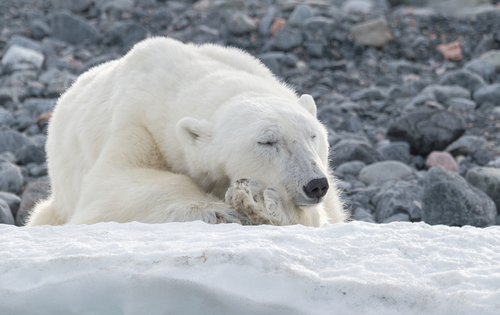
196 268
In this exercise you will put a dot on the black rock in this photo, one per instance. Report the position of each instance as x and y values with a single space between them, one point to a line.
73 29
427 130
126 34
370 94
488 94
448 199
403 197
286 39
39 29
353 150
397 151
487 179
30 154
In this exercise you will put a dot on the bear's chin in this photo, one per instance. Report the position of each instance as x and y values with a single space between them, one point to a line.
304 203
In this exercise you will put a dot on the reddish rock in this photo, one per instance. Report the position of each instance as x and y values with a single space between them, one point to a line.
451 51
277 26
443 159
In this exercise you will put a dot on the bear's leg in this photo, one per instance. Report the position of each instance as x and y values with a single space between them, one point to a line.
45 212
258 205
146 195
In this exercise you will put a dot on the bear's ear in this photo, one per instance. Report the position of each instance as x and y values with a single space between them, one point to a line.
307 101
190 130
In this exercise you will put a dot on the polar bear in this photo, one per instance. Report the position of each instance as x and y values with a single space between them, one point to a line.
180 132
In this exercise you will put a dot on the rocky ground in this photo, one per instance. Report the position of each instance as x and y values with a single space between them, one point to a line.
409 90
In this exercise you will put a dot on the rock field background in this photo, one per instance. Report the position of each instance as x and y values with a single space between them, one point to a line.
409 90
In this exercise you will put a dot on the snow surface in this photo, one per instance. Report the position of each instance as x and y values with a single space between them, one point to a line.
196 268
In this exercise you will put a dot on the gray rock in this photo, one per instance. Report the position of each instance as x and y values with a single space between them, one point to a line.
25 42
30 154
453 6
442 93
5 213
400 217
487 179
352 124
461 104
39 170
427 130
493 57
12 200
357 6
73 29
38 106
448 199
315 49
489 93
351 168
353 150
300 14
96 61
264 26
465 78
482 67
465 145
7 157
384 171
486 44
126 34
318 28
272 60
74 6
11 179
371 33
434 95
360 214
370 94
286 39
396 151
21 58
6 118
114 5
402 198
34 192
12 141
240 24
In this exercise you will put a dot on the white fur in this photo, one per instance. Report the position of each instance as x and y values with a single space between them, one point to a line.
161 134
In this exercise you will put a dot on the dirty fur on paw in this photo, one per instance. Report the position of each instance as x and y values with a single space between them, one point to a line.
256 204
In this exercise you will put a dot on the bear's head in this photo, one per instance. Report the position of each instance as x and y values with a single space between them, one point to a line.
276 142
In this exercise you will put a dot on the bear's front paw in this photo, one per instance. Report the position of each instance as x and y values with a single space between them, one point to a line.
256 204
225 214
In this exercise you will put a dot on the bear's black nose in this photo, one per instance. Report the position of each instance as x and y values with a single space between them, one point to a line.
316 188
